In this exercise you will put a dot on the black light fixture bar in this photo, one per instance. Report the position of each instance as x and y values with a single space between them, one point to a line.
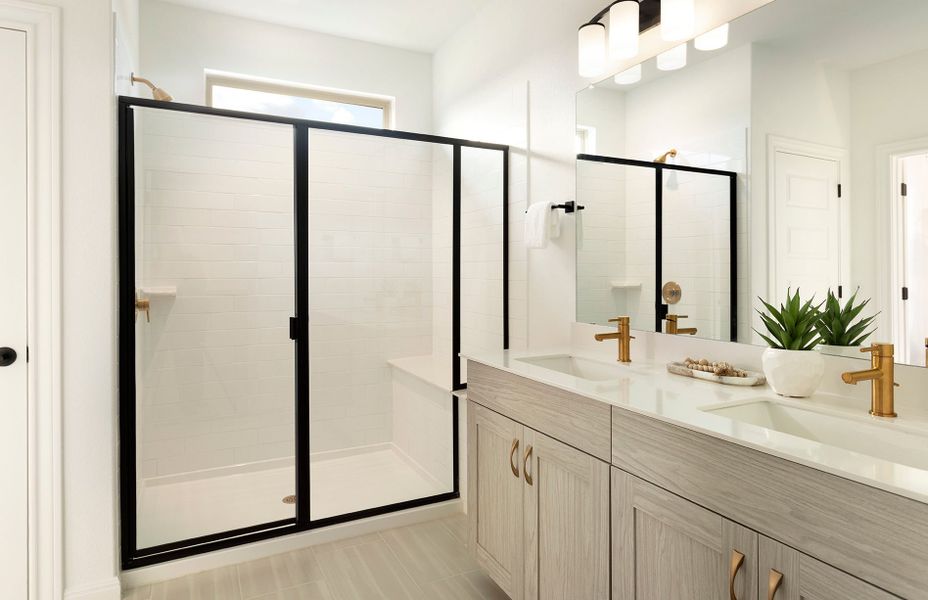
649 14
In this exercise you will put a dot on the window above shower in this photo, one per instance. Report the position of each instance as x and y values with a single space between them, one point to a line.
259 95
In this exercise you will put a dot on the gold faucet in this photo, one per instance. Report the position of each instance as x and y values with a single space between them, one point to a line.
673 327
623 335
881 376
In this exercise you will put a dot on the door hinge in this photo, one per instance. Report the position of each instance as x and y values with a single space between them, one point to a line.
840 291
905 293
839 190
294 328
905 189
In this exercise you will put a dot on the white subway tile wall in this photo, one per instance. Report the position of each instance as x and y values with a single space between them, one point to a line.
216 223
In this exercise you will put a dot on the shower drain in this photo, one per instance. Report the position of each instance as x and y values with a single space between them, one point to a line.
291 499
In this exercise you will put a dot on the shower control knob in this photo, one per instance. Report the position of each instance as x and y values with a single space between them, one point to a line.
7 357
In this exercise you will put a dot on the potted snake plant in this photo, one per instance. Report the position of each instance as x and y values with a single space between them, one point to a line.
791 368
841 328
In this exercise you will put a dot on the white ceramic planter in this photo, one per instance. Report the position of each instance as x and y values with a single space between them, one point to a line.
849 351
793 373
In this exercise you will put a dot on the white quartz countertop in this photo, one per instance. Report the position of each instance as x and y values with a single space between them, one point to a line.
648 389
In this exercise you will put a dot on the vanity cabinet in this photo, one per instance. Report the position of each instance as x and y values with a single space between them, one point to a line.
538 511
786 574
666 547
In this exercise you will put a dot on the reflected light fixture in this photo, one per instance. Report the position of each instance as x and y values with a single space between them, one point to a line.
712 40
673 59
623 29
629 76
678 19
591 49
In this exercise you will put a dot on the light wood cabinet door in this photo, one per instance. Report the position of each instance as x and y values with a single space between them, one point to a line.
494 497
666 547
784 573
566 521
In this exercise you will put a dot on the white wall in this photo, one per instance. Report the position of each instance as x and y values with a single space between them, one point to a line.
887 107
795 98
178 43
510 75
88 264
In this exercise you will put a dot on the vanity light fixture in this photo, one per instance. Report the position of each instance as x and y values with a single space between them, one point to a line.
629 76
591 49
673 59
712 40
624 17
627 20
678 19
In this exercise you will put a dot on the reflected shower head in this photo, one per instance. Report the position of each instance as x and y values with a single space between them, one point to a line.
156 92
672 153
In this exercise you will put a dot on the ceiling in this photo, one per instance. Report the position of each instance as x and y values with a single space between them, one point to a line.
410 24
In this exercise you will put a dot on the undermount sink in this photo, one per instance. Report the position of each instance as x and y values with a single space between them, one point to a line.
581 368
880 440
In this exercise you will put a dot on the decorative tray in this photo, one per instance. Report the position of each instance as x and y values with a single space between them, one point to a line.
750 378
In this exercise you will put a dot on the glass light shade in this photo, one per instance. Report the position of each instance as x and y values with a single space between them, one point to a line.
678 19
712 40
591 49
673 59
623 29
629 76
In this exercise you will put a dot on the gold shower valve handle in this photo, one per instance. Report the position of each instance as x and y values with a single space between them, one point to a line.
143 304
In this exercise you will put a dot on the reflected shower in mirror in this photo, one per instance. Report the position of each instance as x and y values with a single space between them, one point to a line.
818 108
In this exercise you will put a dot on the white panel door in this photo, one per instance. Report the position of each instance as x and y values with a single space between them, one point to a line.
13 400
807 226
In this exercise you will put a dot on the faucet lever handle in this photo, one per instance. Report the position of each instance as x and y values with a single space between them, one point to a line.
871 349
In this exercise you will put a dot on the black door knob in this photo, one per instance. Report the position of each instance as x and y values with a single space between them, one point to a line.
7 357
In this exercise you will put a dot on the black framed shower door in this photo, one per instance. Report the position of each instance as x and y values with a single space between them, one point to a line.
132 556
661 309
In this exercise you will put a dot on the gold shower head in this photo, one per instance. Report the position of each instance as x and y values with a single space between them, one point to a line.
156 92
672 153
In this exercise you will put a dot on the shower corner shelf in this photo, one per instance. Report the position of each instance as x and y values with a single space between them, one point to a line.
165 291
625 285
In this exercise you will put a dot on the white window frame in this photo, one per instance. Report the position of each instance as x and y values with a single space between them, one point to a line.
288 88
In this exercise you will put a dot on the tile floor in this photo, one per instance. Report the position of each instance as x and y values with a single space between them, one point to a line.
426 561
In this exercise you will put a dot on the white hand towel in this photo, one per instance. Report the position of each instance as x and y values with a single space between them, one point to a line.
538 220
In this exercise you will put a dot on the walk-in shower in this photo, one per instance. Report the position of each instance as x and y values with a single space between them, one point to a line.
294 296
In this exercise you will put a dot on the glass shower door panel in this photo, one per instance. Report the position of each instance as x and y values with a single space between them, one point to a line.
481 252
615 243
215 385
380 362
696 242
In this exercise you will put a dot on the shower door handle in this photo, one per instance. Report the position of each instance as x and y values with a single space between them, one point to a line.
7 357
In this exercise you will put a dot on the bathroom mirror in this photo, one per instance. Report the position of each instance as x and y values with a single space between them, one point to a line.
817 108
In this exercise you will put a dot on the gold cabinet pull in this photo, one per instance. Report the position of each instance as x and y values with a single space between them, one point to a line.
737 559
774 583
525 462
512 453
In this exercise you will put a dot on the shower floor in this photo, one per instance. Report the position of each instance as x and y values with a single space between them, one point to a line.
177 508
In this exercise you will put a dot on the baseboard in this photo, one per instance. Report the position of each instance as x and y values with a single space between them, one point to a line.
105 590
